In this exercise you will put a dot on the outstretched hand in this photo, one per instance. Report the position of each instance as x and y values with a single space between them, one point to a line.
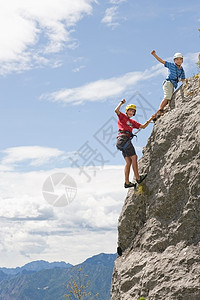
153 52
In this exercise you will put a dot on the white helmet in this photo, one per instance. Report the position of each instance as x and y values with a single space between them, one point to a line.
178 55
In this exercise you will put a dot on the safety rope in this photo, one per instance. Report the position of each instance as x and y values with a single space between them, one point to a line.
135 133
194 92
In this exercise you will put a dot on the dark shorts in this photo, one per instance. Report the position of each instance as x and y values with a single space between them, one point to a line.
121 141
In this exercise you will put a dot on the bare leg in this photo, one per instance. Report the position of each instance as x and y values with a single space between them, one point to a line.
127 168
135 166
163 104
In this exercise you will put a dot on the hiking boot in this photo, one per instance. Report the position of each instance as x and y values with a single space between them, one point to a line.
142 177
129 185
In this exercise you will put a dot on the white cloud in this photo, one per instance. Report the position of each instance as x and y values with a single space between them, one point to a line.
78 69
117 1
35 154
26 25
189 61
104 89
31 229
111 17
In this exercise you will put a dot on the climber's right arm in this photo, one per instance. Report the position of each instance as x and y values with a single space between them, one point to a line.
153 52
117 109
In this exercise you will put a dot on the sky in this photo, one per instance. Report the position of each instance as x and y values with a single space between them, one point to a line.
64 67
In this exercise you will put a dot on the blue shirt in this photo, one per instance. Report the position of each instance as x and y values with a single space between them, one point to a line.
175 74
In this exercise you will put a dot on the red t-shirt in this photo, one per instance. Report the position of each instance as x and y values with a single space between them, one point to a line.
127 124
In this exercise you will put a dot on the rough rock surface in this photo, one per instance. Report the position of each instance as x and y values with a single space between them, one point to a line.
159 226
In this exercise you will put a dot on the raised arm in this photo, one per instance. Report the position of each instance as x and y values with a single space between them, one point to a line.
117 109
157 57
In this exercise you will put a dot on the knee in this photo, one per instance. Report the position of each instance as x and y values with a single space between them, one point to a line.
128 164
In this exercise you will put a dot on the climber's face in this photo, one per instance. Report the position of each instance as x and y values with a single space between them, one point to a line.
130 113
178 61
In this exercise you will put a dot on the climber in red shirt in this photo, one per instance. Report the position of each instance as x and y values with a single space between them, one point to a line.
125 127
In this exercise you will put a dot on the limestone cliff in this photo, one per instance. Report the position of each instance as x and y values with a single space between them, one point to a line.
159 226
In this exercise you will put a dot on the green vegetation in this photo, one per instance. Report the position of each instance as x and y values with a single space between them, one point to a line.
78 287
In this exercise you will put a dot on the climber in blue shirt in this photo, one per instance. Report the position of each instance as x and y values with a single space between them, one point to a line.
176 74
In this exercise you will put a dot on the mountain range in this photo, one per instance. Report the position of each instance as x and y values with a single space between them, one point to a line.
41 280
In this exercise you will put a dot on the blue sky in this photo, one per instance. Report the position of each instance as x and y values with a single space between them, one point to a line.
64 66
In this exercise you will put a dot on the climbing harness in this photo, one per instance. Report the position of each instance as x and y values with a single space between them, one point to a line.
126 144
131 136
194 92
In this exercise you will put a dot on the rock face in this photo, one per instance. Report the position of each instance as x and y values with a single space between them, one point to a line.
159 226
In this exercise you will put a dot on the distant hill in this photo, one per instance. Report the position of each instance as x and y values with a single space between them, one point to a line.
47 281
35 266
101 259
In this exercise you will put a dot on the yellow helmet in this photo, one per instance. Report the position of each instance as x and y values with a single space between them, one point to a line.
130 106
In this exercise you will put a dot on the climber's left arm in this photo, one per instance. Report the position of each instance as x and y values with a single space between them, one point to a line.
143 126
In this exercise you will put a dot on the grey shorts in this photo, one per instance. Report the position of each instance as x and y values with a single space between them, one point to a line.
168 89
121 141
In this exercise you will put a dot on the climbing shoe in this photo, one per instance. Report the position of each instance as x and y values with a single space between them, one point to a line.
129 185
158 115
154 119
142 177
